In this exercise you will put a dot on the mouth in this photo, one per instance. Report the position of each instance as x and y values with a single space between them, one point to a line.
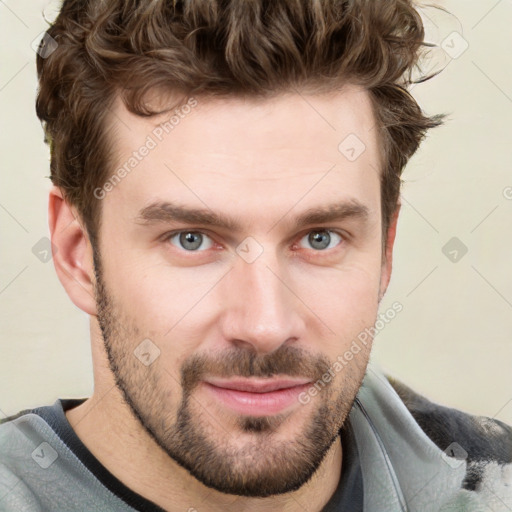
255 396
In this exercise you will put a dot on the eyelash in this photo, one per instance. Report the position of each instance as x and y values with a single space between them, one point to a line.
168 236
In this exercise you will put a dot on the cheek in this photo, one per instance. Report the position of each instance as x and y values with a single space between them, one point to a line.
341 294
155 290
347 303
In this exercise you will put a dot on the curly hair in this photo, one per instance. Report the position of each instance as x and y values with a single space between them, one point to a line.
257 48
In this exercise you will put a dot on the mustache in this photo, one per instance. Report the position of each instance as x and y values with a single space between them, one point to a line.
286 360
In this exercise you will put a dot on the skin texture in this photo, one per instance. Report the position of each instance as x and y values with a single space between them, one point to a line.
210 313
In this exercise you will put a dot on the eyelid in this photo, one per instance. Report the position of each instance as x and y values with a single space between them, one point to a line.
170 234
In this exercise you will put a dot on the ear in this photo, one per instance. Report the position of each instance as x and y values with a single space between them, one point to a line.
73 255
387 261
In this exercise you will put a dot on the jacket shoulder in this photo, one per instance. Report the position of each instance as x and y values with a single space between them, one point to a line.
482 439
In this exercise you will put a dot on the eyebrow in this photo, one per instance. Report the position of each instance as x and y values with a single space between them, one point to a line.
166 212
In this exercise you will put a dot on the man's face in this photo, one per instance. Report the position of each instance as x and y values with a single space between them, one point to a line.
245 315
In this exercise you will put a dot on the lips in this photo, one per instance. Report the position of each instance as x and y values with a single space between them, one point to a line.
254 385
254 396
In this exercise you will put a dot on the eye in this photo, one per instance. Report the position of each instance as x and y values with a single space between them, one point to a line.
321 239
191 240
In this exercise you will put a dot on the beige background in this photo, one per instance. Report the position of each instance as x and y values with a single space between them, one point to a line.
452 341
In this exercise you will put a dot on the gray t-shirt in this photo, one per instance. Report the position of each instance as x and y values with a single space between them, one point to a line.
45 467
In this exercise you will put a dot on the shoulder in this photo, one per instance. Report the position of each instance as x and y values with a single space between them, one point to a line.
481 438
15 492
483 442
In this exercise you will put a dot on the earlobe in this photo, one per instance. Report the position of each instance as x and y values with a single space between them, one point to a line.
73 255
387 261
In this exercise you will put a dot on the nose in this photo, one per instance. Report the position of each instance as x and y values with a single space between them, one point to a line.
261 311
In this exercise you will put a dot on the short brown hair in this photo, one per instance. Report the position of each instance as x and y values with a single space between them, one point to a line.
128 48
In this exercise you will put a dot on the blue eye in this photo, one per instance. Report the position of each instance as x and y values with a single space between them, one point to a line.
321 239
191 240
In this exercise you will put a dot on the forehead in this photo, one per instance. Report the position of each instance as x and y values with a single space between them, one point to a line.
247 154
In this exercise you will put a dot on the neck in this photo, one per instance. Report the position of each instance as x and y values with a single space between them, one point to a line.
110 432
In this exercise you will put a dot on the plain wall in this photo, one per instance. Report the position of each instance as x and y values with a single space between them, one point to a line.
452 340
